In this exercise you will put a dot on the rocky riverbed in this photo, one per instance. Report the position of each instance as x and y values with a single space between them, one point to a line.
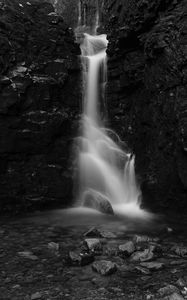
46 257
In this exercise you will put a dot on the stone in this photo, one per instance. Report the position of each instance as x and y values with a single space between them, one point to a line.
180 250
108 234
175 296
37 102
145 255
111 250
93 232
126 268
143 270
168 290
181 282
104 267
127 249
144 238
36 296
80 259
179 262
28 254
152 265
93 244
53 246
97 201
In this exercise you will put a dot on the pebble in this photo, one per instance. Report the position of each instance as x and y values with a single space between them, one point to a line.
97 233
180 250
93 244
80 259
145 255
143 270
144 238
128 248
152 265
17 286
36 296
53 246
181 282
93 232
111 250
28 254
175 296
104 267
167 290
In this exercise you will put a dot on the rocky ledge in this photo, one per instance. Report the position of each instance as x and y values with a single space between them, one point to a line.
39 91
147 92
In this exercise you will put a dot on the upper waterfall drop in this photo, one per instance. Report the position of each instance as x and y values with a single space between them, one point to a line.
106 171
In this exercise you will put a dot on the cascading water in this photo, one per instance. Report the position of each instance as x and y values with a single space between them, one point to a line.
106 171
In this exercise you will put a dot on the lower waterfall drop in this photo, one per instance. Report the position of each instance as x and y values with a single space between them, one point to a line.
106 171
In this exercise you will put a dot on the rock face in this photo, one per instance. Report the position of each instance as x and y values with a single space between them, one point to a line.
97 201
40 94
147 92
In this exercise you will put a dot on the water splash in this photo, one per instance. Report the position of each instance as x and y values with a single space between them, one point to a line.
106 170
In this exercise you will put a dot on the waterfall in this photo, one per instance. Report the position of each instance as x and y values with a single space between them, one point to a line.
106 171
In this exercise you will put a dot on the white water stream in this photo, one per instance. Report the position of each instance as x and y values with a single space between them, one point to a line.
105 170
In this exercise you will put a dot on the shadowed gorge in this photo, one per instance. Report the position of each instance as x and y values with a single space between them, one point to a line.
93 166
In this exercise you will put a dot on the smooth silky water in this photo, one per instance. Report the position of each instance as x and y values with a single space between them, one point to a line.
105 169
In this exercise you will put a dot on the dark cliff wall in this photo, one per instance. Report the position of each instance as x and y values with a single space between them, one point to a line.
39 100
68 9
147 93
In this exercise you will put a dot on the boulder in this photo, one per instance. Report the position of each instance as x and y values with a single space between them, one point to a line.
180 250
127 249
97 201
94 232
93 244
80 259
168 290
175 296
152 265
145 255
104 267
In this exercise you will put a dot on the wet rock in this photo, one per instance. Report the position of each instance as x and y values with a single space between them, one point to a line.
168 290
93 244
152 265
180 250
127 271
54 247
80 259
145 255
141 57
127 249
28 254
142 270
174 296
96 200
36 296
104 267
144 238
178 262
93 232
38 107
111 250
108 234
181 282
